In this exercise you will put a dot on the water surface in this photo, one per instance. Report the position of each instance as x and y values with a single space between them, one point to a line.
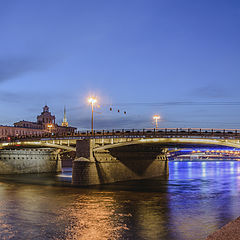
197 199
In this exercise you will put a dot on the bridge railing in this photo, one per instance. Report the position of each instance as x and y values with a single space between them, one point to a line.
161 131
148 132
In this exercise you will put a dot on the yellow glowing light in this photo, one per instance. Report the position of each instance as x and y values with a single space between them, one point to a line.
156 117
92 100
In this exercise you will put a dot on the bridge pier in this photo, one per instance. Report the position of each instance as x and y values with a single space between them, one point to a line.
133 162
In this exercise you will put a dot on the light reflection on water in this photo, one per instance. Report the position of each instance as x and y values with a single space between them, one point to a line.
196 199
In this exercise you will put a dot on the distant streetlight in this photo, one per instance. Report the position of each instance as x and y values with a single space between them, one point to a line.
156 118
50 126
92 100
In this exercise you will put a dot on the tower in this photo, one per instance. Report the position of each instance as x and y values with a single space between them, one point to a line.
65 123
46 117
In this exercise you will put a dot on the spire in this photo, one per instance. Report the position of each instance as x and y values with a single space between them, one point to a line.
65 123
64 118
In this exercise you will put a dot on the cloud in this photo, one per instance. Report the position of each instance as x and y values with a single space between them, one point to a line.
11 68
9 97
31 99
212 91
110 123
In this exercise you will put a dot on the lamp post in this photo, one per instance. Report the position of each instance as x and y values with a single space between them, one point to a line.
156 118
92 100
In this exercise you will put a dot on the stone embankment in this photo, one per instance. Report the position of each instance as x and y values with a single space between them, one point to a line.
230 231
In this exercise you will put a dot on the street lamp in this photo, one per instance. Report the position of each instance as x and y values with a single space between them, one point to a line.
92 100
156 118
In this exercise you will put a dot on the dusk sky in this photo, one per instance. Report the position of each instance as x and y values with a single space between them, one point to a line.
176 58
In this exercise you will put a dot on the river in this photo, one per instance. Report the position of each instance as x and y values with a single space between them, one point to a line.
196 199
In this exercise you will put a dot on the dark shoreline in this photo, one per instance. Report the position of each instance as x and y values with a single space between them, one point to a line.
230 231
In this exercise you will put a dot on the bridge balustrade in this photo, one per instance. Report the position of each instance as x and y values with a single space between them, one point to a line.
148 132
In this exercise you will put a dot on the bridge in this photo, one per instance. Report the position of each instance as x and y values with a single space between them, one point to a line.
105 156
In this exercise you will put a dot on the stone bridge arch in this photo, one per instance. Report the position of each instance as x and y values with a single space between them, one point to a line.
31 157
171 142
36 144
110 160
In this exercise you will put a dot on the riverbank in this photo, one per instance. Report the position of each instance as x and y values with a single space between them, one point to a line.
230 231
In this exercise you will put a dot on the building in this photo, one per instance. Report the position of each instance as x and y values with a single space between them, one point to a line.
46 117
45 123
10 131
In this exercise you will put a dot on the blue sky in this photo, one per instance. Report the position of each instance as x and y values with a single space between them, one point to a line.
180 59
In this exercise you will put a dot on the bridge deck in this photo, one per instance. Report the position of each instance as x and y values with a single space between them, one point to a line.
136 133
